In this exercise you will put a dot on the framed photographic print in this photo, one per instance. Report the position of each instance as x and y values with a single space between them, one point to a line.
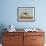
26 14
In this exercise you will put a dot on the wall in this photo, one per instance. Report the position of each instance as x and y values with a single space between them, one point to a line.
9 13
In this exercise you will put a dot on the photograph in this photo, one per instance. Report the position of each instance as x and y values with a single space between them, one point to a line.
26 14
